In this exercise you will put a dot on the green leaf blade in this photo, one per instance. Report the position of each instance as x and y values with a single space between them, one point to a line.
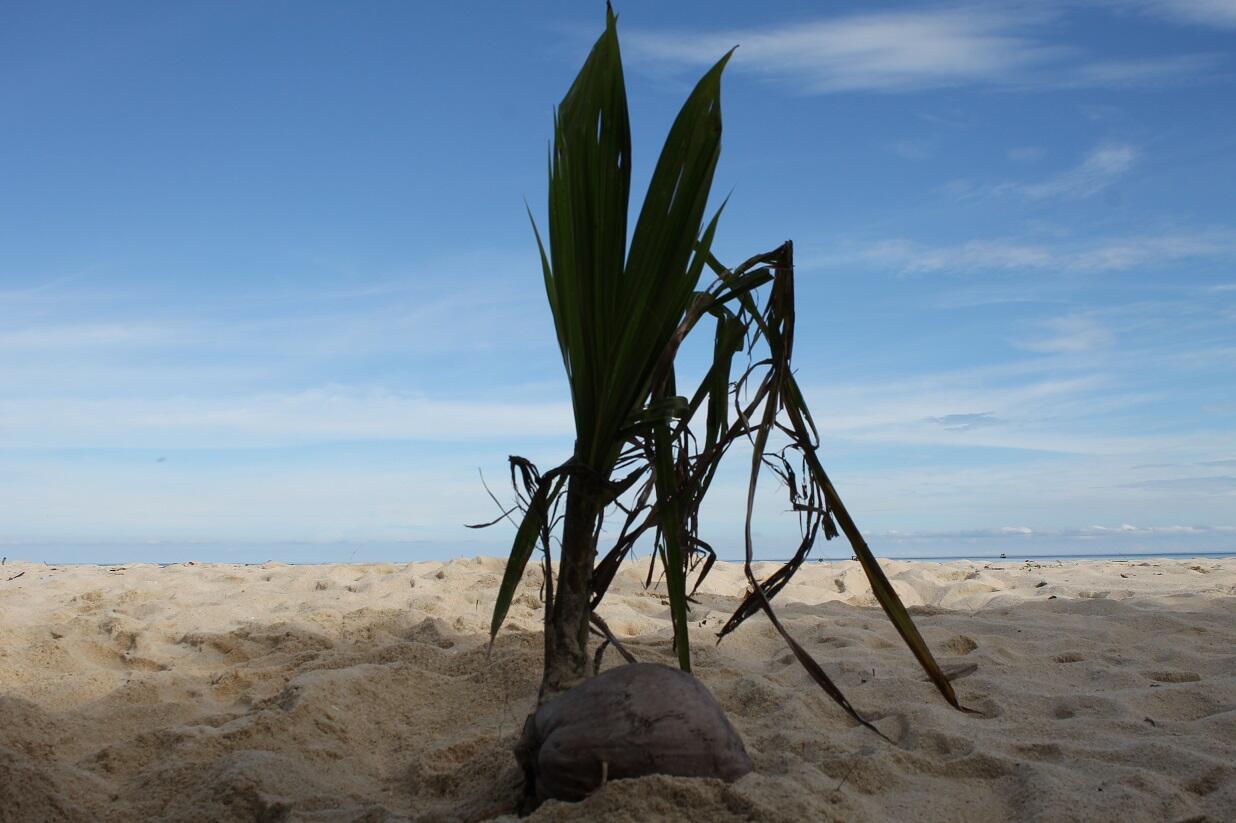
531 527
671 533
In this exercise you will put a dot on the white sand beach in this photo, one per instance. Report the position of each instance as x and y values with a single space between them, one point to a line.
1102 690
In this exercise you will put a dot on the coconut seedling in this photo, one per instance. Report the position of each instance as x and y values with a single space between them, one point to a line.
646 451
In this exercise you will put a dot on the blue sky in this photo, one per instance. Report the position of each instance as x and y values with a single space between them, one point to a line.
268 290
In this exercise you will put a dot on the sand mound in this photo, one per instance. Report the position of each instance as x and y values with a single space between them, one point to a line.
1103 691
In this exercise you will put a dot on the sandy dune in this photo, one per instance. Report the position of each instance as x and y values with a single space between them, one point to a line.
1103 691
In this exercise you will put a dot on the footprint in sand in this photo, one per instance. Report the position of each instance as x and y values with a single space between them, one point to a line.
944 746
985 708
836 642
1210 781
959 645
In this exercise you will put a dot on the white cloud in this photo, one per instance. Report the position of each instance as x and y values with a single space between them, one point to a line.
1015 254
913 258
1144 72
1025 406
1065 401
1225 485
81 335
1102 167
896 51
311 498
885 51
1213 13
1071 334
968 421
328 414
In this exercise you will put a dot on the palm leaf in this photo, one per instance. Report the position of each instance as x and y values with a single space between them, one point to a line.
671 540
534 526
620 316
589 188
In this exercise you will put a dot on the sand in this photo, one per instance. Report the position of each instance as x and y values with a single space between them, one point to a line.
1102 690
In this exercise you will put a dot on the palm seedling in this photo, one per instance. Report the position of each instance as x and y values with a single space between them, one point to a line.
646 451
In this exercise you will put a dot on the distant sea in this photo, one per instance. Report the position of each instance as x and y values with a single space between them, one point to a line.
1030 556
165 554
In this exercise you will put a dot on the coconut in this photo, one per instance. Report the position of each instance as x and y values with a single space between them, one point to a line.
628 722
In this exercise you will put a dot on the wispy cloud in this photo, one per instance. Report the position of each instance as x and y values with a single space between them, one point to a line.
343 496
1017 254
1027 406
912 257
1071 334
888 51
1212 13
1066 399
84 335
1103 166
899 51
1189 485
327 414
968 421
1144 72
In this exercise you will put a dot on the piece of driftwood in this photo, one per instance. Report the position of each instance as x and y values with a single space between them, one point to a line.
630 721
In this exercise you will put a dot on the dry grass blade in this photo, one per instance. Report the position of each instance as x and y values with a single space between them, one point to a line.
534 527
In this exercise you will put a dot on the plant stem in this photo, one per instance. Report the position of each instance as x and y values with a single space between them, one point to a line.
566 635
